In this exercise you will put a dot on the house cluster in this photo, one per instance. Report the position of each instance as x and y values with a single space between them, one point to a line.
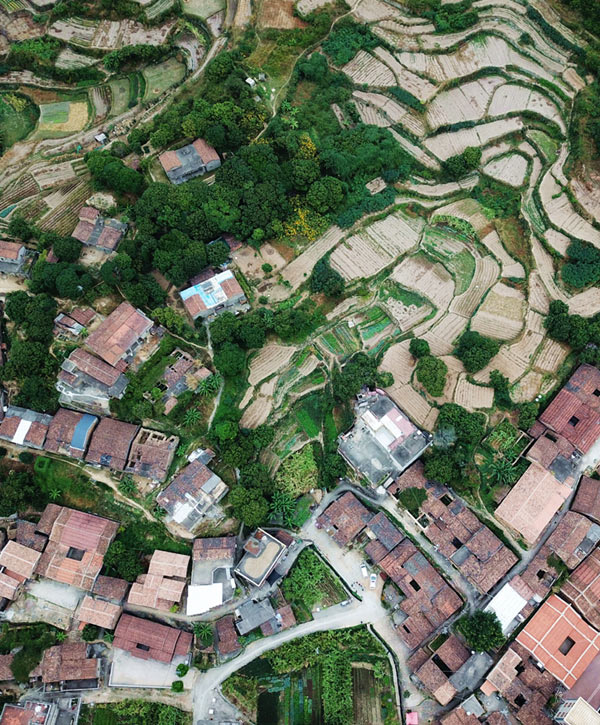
189 161
383 441
74 323
426 601
94 230
105 442
182 374
94 374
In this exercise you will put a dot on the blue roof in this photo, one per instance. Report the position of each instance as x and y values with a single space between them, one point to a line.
82 430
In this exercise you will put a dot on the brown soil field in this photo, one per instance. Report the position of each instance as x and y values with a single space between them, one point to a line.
441 337
268 361
257 412
538 296
297 271
279 14
501 314
486 273
551 356
528 387
472 396
398 361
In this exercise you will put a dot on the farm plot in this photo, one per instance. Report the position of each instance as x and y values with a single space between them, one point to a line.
416 151
70 59
557 240
466 209
299 269
473 397
279 14
502 313
48 177
268 361
547 145
364 68
562 214
203 8
426 278
464 103
376 246
442 245
374 326
512 97
100 97
585 303
16 123
528 387
162 76
119 89
406 79
77 31
442 336
538 295
367 706
414 405
398 361
387 112
406 307
340 342
370 10
450 143
62 118
510 169
551 356
587 195
488 52
158 8
257 412
486 273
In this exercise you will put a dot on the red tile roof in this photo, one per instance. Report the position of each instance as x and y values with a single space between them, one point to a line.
78 542
554 626
116 335
587 499
6 674
110 587
216 548
345 518
110 443
569 541
94 367
68 662
227 638
96 611
19 560
88 213
61 431
158 641
582 588
9 250
169 160
206 152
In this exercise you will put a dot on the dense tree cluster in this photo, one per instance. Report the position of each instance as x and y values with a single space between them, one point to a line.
358 372
582 266
460 165
419 348
475 351
346 39
132 54
325 279
431 373
482 630
503 200
109 172
29 361
581 333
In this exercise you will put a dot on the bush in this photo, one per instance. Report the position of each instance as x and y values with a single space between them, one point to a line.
90 633
482 631
26 457
460 165
346 39
419 348
582 267
431 373
326 280
475 351
182 670
177 686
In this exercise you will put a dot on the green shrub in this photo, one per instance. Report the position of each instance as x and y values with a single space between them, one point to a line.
419 348
177 686
412 498
475 351
26 457
482 630
90 633
431 373
582 267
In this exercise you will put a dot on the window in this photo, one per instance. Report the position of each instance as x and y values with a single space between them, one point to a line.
520 700
415 585
143 647
76 554
456 542
405 628
552 438
566 646
573 421
541 574
597 393
446 499
520 668
442 665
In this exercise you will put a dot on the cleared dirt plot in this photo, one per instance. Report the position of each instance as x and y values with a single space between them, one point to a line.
279 14
398 361
376 246
202 8
414 405
538 295
108 34
510 169
512 97
585 303
528 387
415 151
300 268
409 81
427 278
473 397
367 707
467 209
69 58
250 261
162 76
562 214
364 68
551 356
545 267
464 103
64 117
437 191
257 412
441 337
443 246
587 194
510 268
502 313
308 6
557 241
487 272
451 143
572 77
388 112
488 52
370 10
515 359
100 97
269 360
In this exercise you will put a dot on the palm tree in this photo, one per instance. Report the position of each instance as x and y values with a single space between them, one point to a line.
55 494
501 471
204 632
192 417
282 503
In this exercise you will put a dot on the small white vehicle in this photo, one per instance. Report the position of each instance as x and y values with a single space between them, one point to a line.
345 603
365 571
373 582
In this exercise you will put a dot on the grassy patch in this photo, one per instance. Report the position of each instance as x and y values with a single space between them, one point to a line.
547 145
16 125
31 640
515 240
202 8
392 289
120 92
161 77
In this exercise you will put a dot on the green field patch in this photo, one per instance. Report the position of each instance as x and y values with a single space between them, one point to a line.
392 289
202 8
534 215
309 414
18 116
161 77
120 89
443 246
375 321
55 112
546 145
341 341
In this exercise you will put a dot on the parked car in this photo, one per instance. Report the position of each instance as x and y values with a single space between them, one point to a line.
345 603
364 570
373 582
